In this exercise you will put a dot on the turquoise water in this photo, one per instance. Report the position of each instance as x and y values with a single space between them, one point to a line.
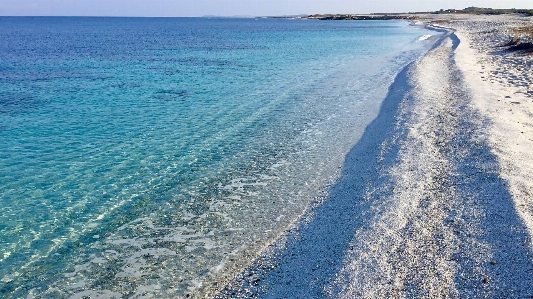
155 157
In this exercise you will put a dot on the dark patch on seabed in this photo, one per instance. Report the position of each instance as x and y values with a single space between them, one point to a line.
170 94
304 262
11 103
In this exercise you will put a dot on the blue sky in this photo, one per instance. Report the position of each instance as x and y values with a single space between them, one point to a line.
235 7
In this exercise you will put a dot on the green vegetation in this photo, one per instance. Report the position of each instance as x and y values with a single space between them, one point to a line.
527 31
488 11
391 16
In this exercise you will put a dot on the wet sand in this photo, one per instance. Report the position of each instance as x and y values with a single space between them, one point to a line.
435 200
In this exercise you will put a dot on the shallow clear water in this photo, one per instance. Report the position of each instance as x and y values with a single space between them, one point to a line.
144 156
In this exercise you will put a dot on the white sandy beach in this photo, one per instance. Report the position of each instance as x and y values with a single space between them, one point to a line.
435 200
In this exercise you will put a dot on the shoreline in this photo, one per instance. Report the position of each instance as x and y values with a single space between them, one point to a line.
432 201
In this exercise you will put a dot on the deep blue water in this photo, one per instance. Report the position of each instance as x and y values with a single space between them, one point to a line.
156 156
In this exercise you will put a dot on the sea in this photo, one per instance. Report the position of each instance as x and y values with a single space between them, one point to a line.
156 157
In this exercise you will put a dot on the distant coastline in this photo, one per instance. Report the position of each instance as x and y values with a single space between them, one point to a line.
410 15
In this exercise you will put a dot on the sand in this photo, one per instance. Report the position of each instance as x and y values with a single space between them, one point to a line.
435 199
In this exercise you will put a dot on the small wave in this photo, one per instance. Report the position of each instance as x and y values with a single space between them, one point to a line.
424 37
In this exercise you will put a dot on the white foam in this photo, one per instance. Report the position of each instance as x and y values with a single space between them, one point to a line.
281 163
77 285
131 242
217 268
98 260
